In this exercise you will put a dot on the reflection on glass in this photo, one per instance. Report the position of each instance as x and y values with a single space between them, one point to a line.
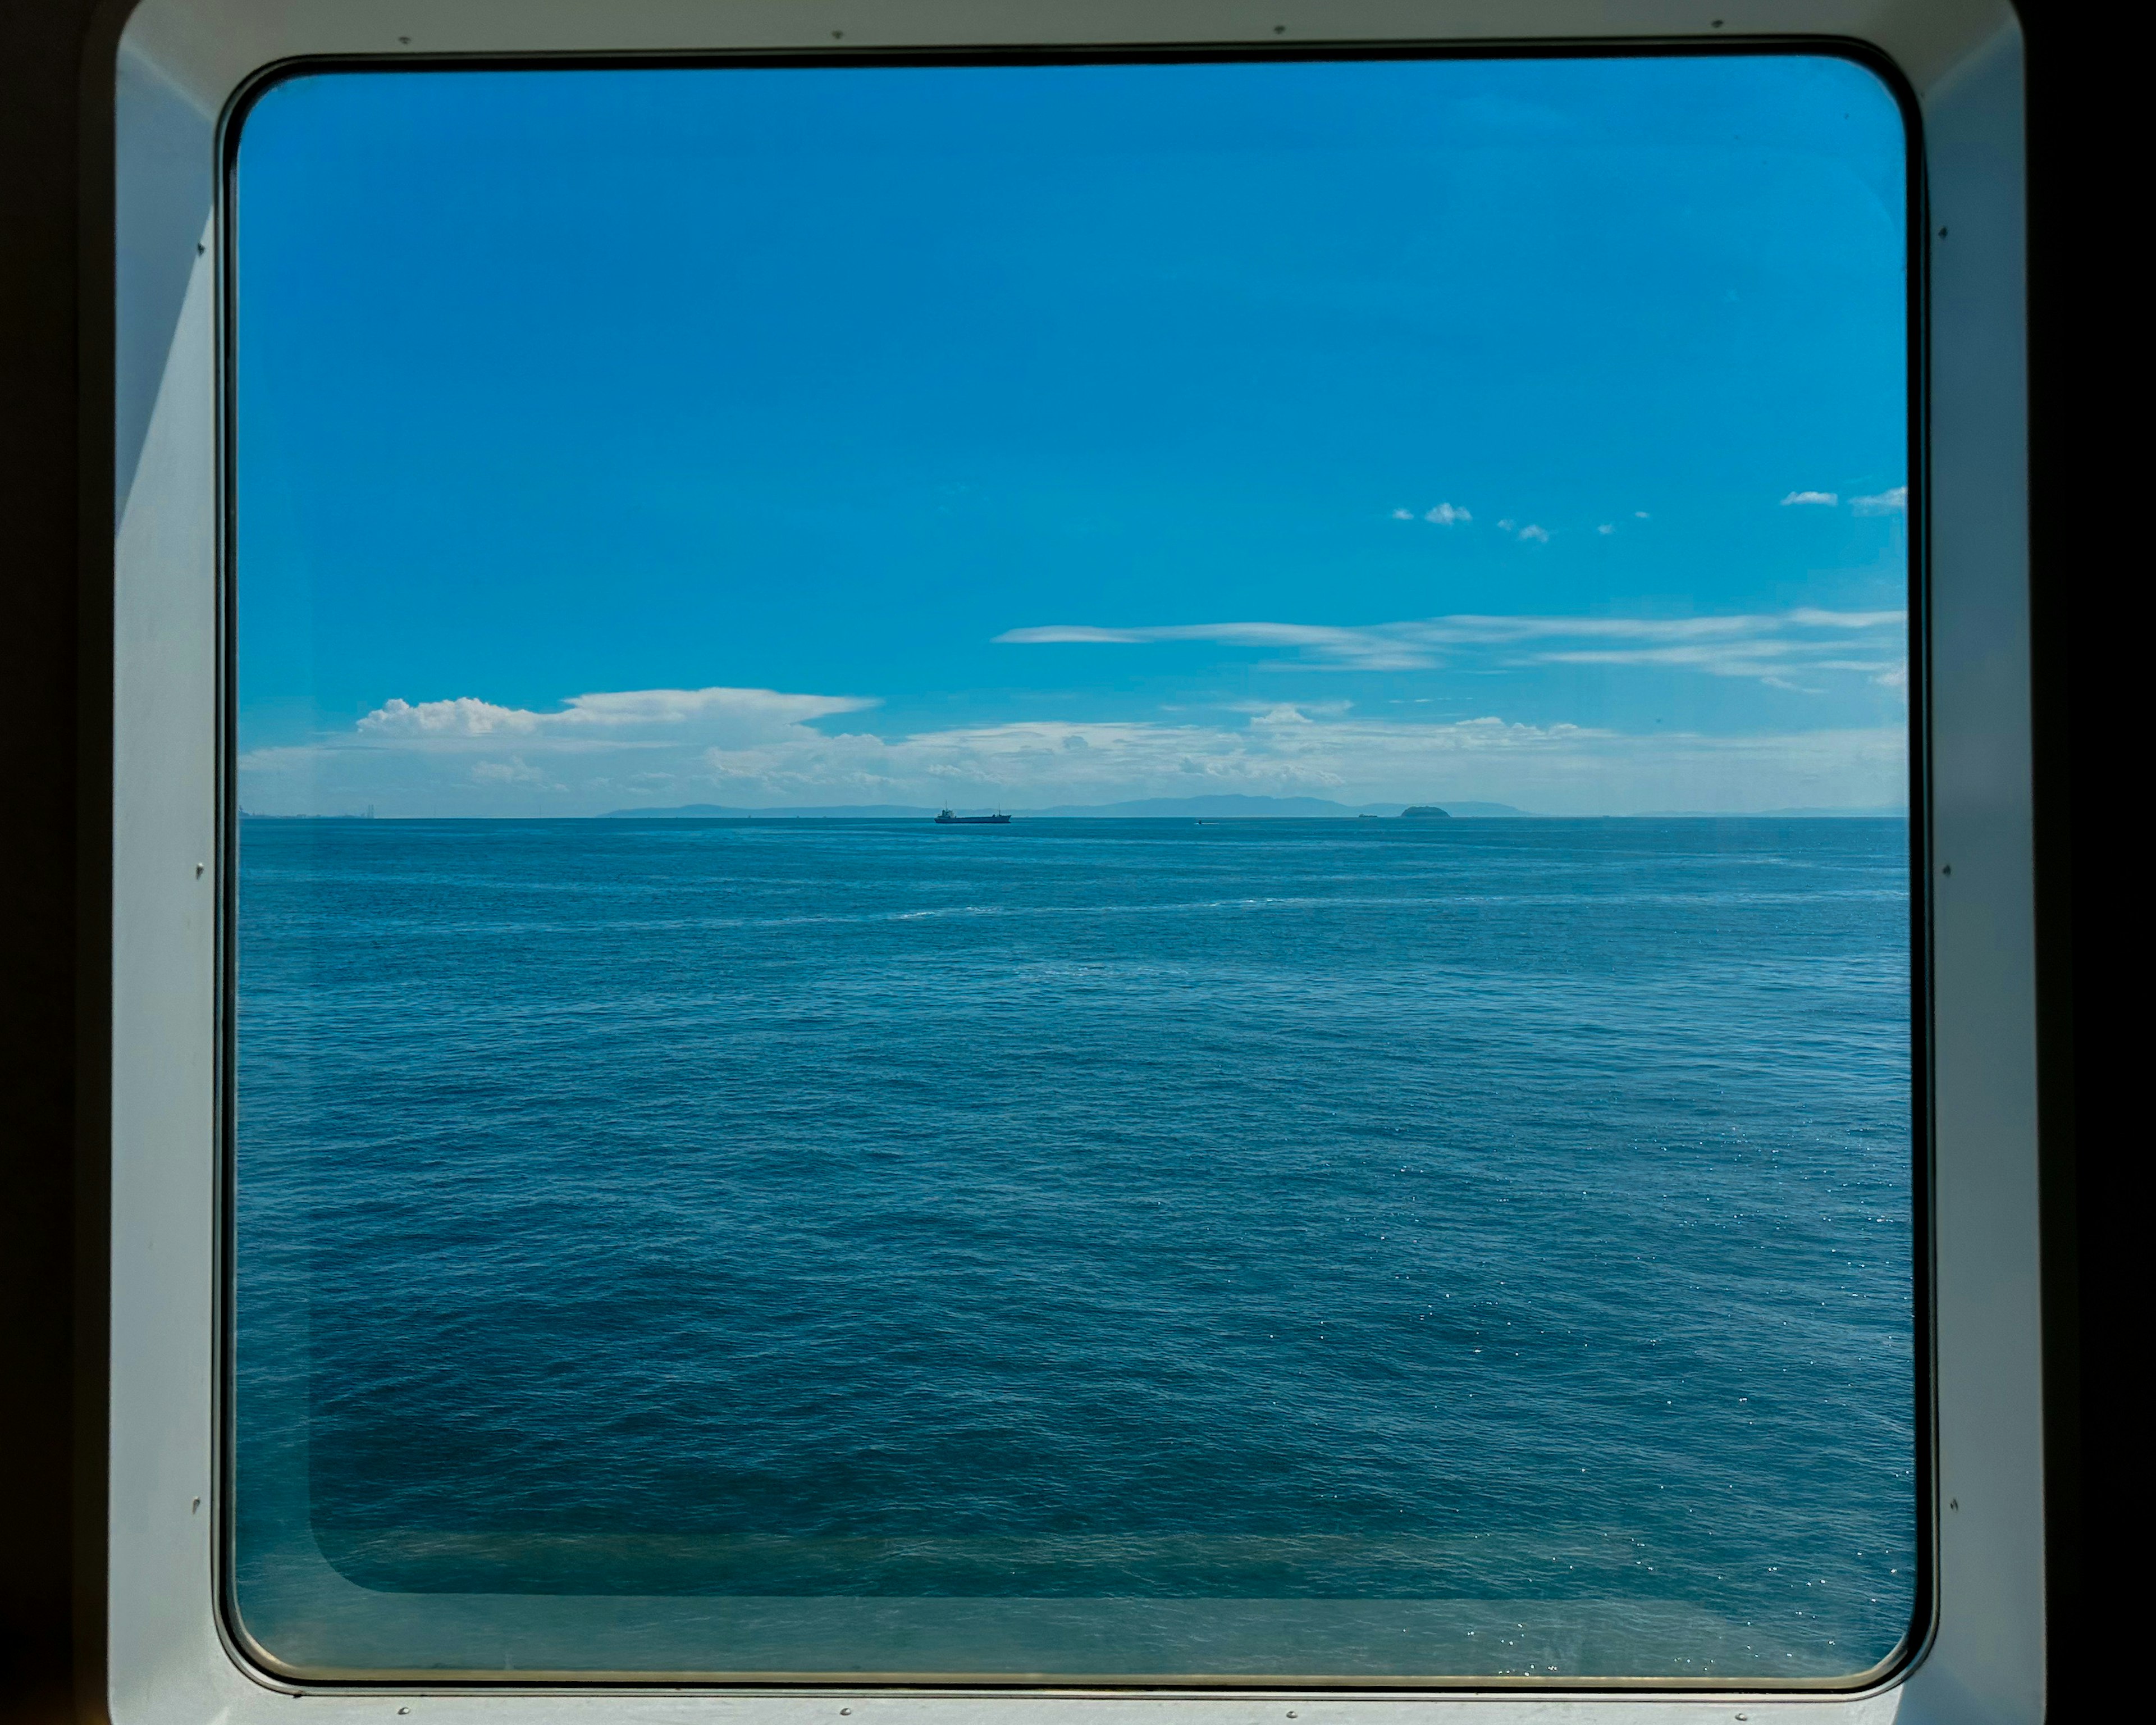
1393 1164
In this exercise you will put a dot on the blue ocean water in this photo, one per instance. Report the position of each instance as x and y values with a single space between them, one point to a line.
1084 1210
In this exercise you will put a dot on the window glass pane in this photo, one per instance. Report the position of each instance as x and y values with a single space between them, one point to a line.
1392 1162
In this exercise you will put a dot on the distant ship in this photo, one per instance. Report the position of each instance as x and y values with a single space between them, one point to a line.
949 820
1424 811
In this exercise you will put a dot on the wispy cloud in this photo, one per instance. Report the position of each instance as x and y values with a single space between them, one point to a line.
1894 501
1828 499
1762 645
1363 650
1060 632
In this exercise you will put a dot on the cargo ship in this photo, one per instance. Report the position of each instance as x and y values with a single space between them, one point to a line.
949 820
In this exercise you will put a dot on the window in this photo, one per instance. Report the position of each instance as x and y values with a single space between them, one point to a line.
756 1232
1150 1236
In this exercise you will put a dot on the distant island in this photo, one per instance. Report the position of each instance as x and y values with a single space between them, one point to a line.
1220 808
1425 811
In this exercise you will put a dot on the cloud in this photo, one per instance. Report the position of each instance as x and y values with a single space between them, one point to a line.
1539 534
1894 501
1763 660
1285 748
1445 514
1403 515
1814 617
1605 529
1828 498
513 771
464 717
610 746
655 711
1291 712
1362 649
1762 645
762 747
1056 632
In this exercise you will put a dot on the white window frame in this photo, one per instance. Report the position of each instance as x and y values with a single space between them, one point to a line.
1981 1656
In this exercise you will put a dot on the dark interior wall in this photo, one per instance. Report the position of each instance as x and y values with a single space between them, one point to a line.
2089 308
2087 86
51 893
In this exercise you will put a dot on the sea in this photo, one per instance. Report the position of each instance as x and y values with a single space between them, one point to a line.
1134 1249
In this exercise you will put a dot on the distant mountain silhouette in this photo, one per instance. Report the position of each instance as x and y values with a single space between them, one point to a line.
720 811
1221 808
1233 808
1218 808
1887 812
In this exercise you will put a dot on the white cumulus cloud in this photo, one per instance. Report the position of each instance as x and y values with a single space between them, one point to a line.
1828 499
656 713
1893 501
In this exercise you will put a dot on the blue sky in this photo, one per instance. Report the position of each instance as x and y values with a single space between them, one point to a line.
1525 431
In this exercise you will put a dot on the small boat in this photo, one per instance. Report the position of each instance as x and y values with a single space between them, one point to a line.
949 820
